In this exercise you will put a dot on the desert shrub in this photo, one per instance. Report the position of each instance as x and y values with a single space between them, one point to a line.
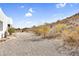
37 31
42 30
60 27
11 30
66 32
55 32
45 31
77 29
71 38
53 35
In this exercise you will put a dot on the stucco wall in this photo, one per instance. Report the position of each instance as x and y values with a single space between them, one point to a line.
1 26
6 20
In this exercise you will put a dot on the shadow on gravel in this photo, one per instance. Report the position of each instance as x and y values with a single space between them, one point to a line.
2 40
34 40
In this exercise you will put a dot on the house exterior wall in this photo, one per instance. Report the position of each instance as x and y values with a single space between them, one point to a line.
1 26
6 20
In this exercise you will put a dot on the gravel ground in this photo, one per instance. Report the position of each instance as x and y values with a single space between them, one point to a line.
28 44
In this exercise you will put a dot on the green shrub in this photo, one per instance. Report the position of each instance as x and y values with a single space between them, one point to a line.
11 30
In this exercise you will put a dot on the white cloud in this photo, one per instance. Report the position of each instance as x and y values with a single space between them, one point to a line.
28 14
60 5
31 10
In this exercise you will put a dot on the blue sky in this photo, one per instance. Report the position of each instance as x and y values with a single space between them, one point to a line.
29 14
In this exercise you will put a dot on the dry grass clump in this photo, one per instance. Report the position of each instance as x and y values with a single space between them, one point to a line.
71 37
56 31
47 32
53 34
77 29
36 31
60 27
42 31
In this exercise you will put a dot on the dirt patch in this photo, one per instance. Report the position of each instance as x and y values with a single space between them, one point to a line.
2 40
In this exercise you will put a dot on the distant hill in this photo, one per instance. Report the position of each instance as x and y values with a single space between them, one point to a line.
72 20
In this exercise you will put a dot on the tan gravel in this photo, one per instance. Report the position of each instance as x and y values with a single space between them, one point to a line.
28 44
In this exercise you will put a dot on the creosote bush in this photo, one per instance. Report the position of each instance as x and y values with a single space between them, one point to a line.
11 30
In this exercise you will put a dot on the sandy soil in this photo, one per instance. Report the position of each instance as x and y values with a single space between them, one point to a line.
28 44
